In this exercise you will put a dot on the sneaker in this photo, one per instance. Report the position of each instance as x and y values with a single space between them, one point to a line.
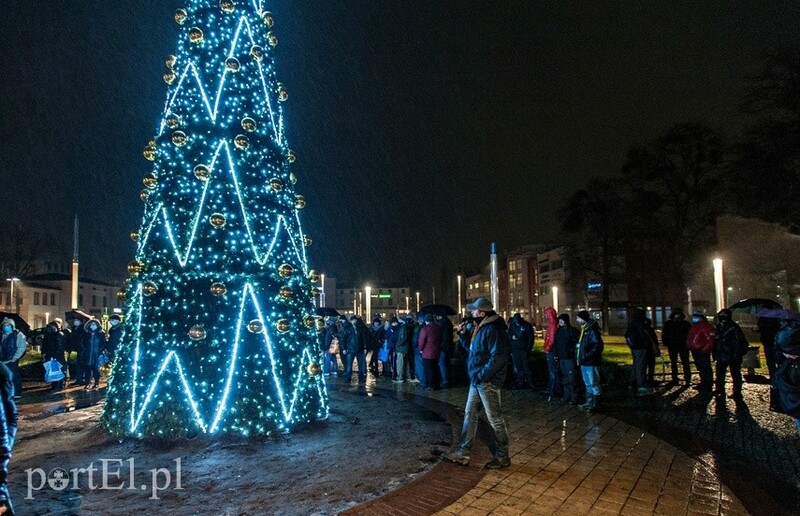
414 380
397 381
457 456
498 463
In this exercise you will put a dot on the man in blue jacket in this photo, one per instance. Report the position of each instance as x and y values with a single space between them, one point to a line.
486 367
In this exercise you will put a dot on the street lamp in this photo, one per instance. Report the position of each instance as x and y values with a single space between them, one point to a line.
555 298
368 291
728 297
13 280
322 294
719 287
417 301
407 307
459 296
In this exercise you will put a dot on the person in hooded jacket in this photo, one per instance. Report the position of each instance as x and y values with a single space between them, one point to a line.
376 333
554 387
486 367
53 347
674 335
74 343
390 366
12 346
8 433
419 365
565 340
115 333
520 336
402 348
94 341
445 349
640 338
348 345
785 382
589 357
700 342
730 346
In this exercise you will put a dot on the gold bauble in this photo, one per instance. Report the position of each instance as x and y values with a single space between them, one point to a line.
241 142
272 39
170 61
285 270
307 241
218 289
257 52
276 184
169 77
202 172
313 369
135 267
292 178
150 181
286 292
179 138
313 276
226 6
291 156
255 326
149 153
299 202
144 194
283 95
320 324
269 21
248 124
197 332
217 220
195 35
309 321
180 16
173 121
135 235
149 288
232 65
282 325
122 295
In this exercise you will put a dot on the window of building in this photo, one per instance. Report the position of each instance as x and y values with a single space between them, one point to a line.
52 299
35 298
94 301
105 301
558 264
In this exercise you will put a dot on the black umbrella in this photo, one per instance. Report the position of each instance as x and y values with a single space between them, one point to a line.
754 305
325 311
19 322
443 310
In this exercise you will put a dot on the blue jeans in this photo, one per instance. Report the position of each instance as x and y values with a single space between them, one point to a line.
444 363
553 378
487 395
419 367
330 365
591 378
361 357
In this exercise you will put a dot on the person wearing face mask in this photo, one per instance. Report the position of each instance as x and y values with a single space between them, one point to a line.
486 368
376 334
566 337
676 330
114 334
12 347
730 345
53 347
94 341
74 343
700 342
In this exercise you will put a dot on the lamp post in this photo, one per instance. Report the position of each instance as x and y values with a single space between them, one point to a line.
728 297
322 294
719 286
417 301
459 296
407 307
555 298
12 302
368 290
360 304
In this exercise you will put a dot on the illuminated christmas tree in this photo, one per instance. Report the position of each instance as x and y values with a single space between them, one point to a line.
220 327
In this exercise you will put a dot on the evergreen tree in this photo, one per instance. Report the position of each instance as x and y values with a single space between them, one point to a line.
220 327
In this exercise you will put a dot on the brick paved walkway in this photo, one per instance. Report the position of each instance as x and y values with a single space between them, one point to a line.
563 461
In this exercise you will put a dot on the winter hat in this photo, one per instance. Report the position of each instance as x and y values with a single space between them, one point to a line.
428 318
376 320
698 313
10 321
676 312
115 317
565 318
482 304
516 317
583 314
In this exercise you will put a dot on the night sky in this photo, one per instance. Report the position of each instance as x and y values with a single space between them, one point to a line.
424 129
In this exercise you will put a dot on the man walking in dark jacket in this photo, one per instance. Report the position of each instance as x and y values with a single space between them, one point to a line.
730 345
564 353
589 357
520 334
486 368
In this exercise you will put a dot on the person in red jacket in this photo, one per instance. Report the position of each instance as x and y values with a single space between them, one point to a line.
700 342
430 338
553 376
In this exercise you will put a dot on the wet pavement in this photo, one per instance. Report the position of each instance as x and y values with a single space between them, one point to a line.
39 402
